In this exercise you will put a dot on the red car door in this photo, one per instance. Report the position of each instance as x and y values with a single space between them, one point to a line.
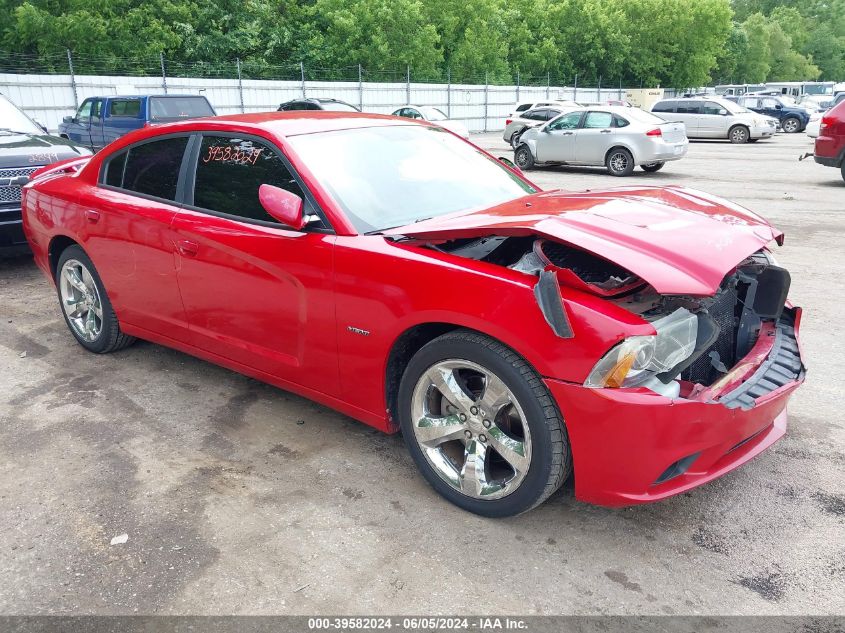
255 291
128 219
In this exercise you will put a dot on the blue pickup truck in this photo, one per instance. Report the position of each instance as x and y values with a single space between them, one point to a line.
100 120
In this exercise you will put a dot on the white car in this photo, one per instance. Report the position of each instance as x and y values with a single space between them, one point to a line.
524 106
714 117
814 126
432 115
617 137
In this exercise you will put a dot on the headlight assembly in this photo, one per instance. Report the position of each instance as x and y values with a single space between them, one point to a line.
638 359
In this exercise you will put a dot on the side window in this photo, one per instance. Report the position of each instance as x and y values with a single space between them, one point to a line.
522 107
770 103
536 115
84 112
125 107
113 175
229 172
97 109
618 121
550 114
153 168
750 102
711 107
689 107
664 106
566 122
598 120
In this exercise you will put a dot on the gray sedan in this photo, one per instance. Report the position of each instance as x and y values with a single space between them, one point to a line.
617 137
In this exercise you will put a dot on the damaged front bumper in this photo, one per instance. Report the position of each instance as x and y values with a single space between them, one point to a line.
633 446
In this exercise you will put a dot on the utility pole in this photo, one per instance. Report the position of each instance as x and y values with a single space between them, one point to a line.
72 81
302 75
449 92
240 84
408 84
163 73
360 89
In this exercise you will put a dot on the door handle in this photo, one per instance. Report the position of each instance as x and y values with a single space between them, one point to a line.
605 132
568 133
187 247
92 216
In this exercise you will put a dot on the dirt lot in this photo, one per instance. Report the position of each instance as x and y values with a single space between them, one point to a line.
239 498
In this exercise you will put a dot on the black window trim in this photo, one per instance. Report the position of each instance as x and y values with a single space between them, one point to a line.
180 180
190 175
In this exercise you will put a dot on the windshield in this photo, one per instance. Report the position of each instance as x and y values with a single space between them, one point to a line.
179 107
433 114
338 106
14 120
383 177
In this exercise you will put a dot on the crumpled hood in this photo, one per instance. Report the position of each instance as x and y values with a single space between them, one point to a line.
681 241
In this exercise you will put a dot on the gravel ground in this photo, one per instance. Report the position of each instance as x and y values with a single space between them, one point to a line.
240 498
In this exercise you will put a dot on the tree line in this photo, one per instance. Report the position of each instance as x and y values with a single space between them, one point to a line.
672 43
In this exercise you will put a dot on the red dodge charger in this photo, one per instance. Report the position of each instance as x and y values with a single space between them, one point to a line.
640 337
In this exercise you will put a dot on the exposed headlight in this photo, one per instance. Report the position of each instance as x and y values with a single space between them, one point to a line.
639 358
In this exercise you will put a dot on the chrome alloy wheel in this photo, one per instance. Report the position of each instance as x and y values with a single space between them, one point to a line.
739 135
471 429
618 161
790 126
81 300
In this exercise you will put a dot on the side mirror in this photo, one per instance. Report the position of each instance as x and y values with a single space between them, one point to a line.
778 107
283 205
723 112
67 119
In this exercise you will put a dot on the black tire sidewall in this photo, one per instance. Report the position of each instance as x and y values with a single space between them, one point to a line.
534 484
515 138
745 131
654 167
529 162
106 335
625 172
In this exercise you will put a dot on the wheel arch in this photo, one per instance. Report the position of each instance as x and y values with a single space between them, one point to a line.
736 125
408 343
58 243
621 146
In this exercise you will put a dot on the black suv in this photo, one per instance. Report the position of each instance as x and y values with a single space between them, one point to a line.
24 147
335 105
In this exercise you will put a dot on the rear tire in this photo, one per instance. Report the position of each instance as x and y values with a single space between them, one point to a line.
843 171
791 125
653 167
619 162
738 134
523 157
85 305
481 425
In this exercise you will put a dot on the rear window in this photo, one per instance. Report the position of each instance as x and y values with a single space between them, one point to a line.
125 107
164 108
664 106
689 107
641 116
152 168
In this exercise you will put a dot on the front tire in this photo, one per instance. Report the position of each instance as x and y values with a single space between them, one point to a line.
653 167
481 425
619 162
738 134
85 304
523 157
791 125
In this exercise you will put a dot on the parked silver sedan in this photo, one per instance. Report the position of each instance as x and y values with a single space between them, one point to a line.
514 127
617 137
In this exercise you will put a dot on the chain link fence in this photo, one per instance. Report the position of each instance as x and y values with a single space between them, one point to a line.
51 86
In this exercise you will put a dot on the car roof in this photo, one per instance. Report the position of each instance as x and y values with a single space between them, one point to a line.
290 123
